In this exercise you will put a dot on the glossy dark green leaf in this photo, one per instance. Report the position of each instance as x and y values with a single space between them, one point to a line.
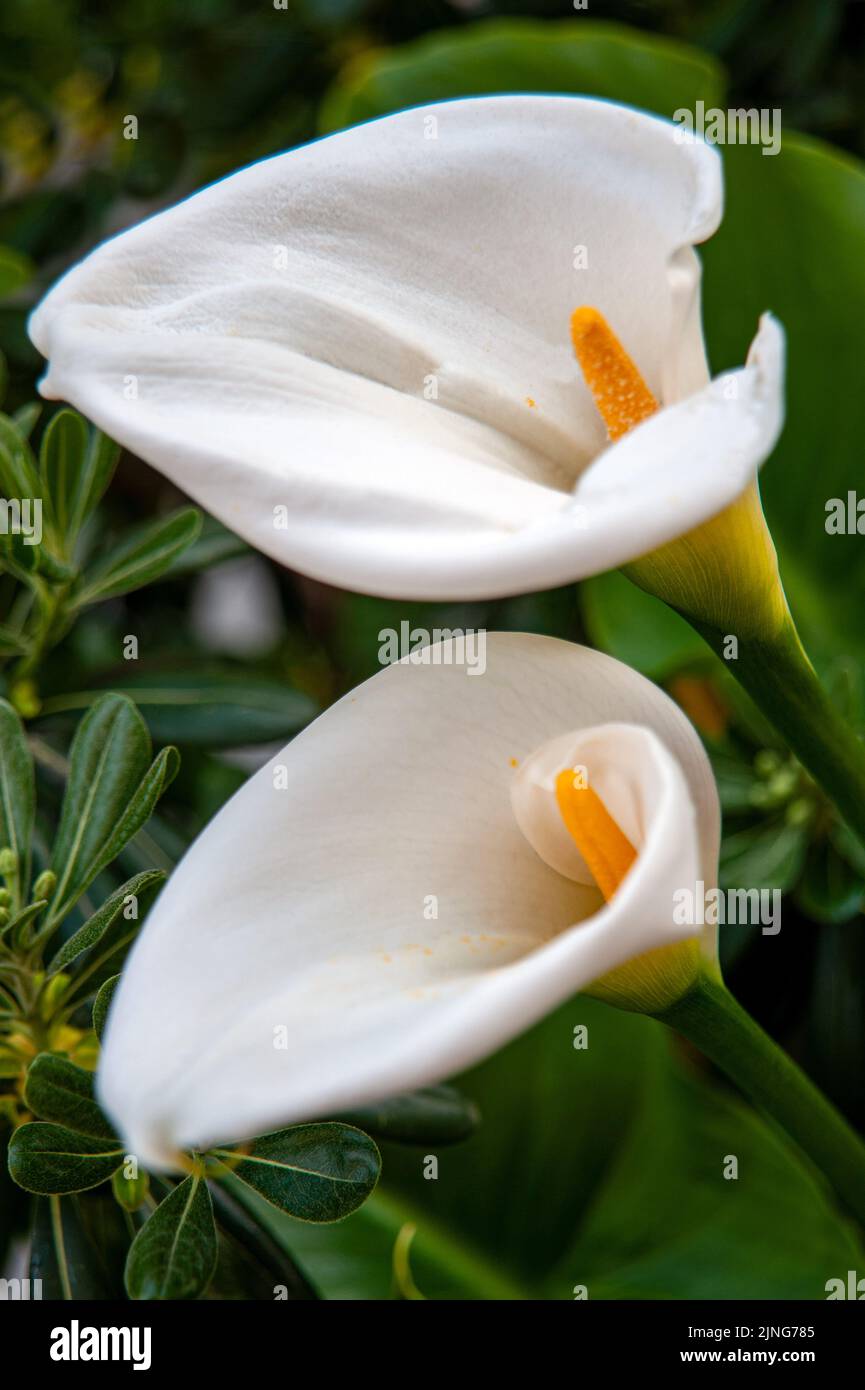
174 1254
434 1115
601 1166
523 55
140 557
251 1264
109 795
122 904
17 791
639 629
61 461
49 1159
58 1090
75 1248
318 1172
214 708
781 217
102 1003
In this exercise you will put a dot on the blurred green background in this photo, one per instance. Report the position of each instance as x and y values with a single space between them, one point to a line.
605 1160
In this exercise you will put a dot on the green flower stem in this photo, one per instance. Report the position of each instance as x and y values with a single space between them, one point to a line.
723 577
781 681
709 1017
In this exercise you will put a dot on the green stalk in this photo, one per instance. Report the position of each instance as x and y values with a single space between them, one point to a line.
709 1017
781 681
723 577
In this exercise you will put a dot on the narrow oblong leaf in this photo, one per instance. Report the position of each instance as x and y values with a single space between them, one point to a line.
213 545
17 928
52 1160
102 1003
97 470
141 557
19 476
174 1254
58 1090
26 418
108 758
211 707
318 1172
95 928
61 459
433 1115
17 791
158 777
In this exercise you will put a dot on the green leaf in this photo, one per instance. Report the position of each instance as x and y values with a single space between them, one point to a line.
830 890
736 782
141 557
58 1090
27 417
17 793
95 928
109 795
434 1115
174 1254
16 270
639 629
102 1003
626 1143
251 1263
97 470
770 855
317 1172
51 1159
74 1248
131 1193
213 545
61 461
19 476
211 708
14 932
791 241
524 55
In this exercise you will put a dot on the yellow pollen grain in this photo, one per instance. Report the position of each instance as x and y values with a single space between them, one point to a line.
515 762
603 844
529 402
621 395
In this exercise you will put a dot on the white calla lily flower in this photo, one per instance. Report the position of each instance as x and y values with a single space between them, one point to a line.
394 896
358 354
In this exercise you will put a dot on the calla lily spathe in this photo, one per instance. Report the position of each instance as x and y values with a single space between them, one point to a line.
357 354
391 898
